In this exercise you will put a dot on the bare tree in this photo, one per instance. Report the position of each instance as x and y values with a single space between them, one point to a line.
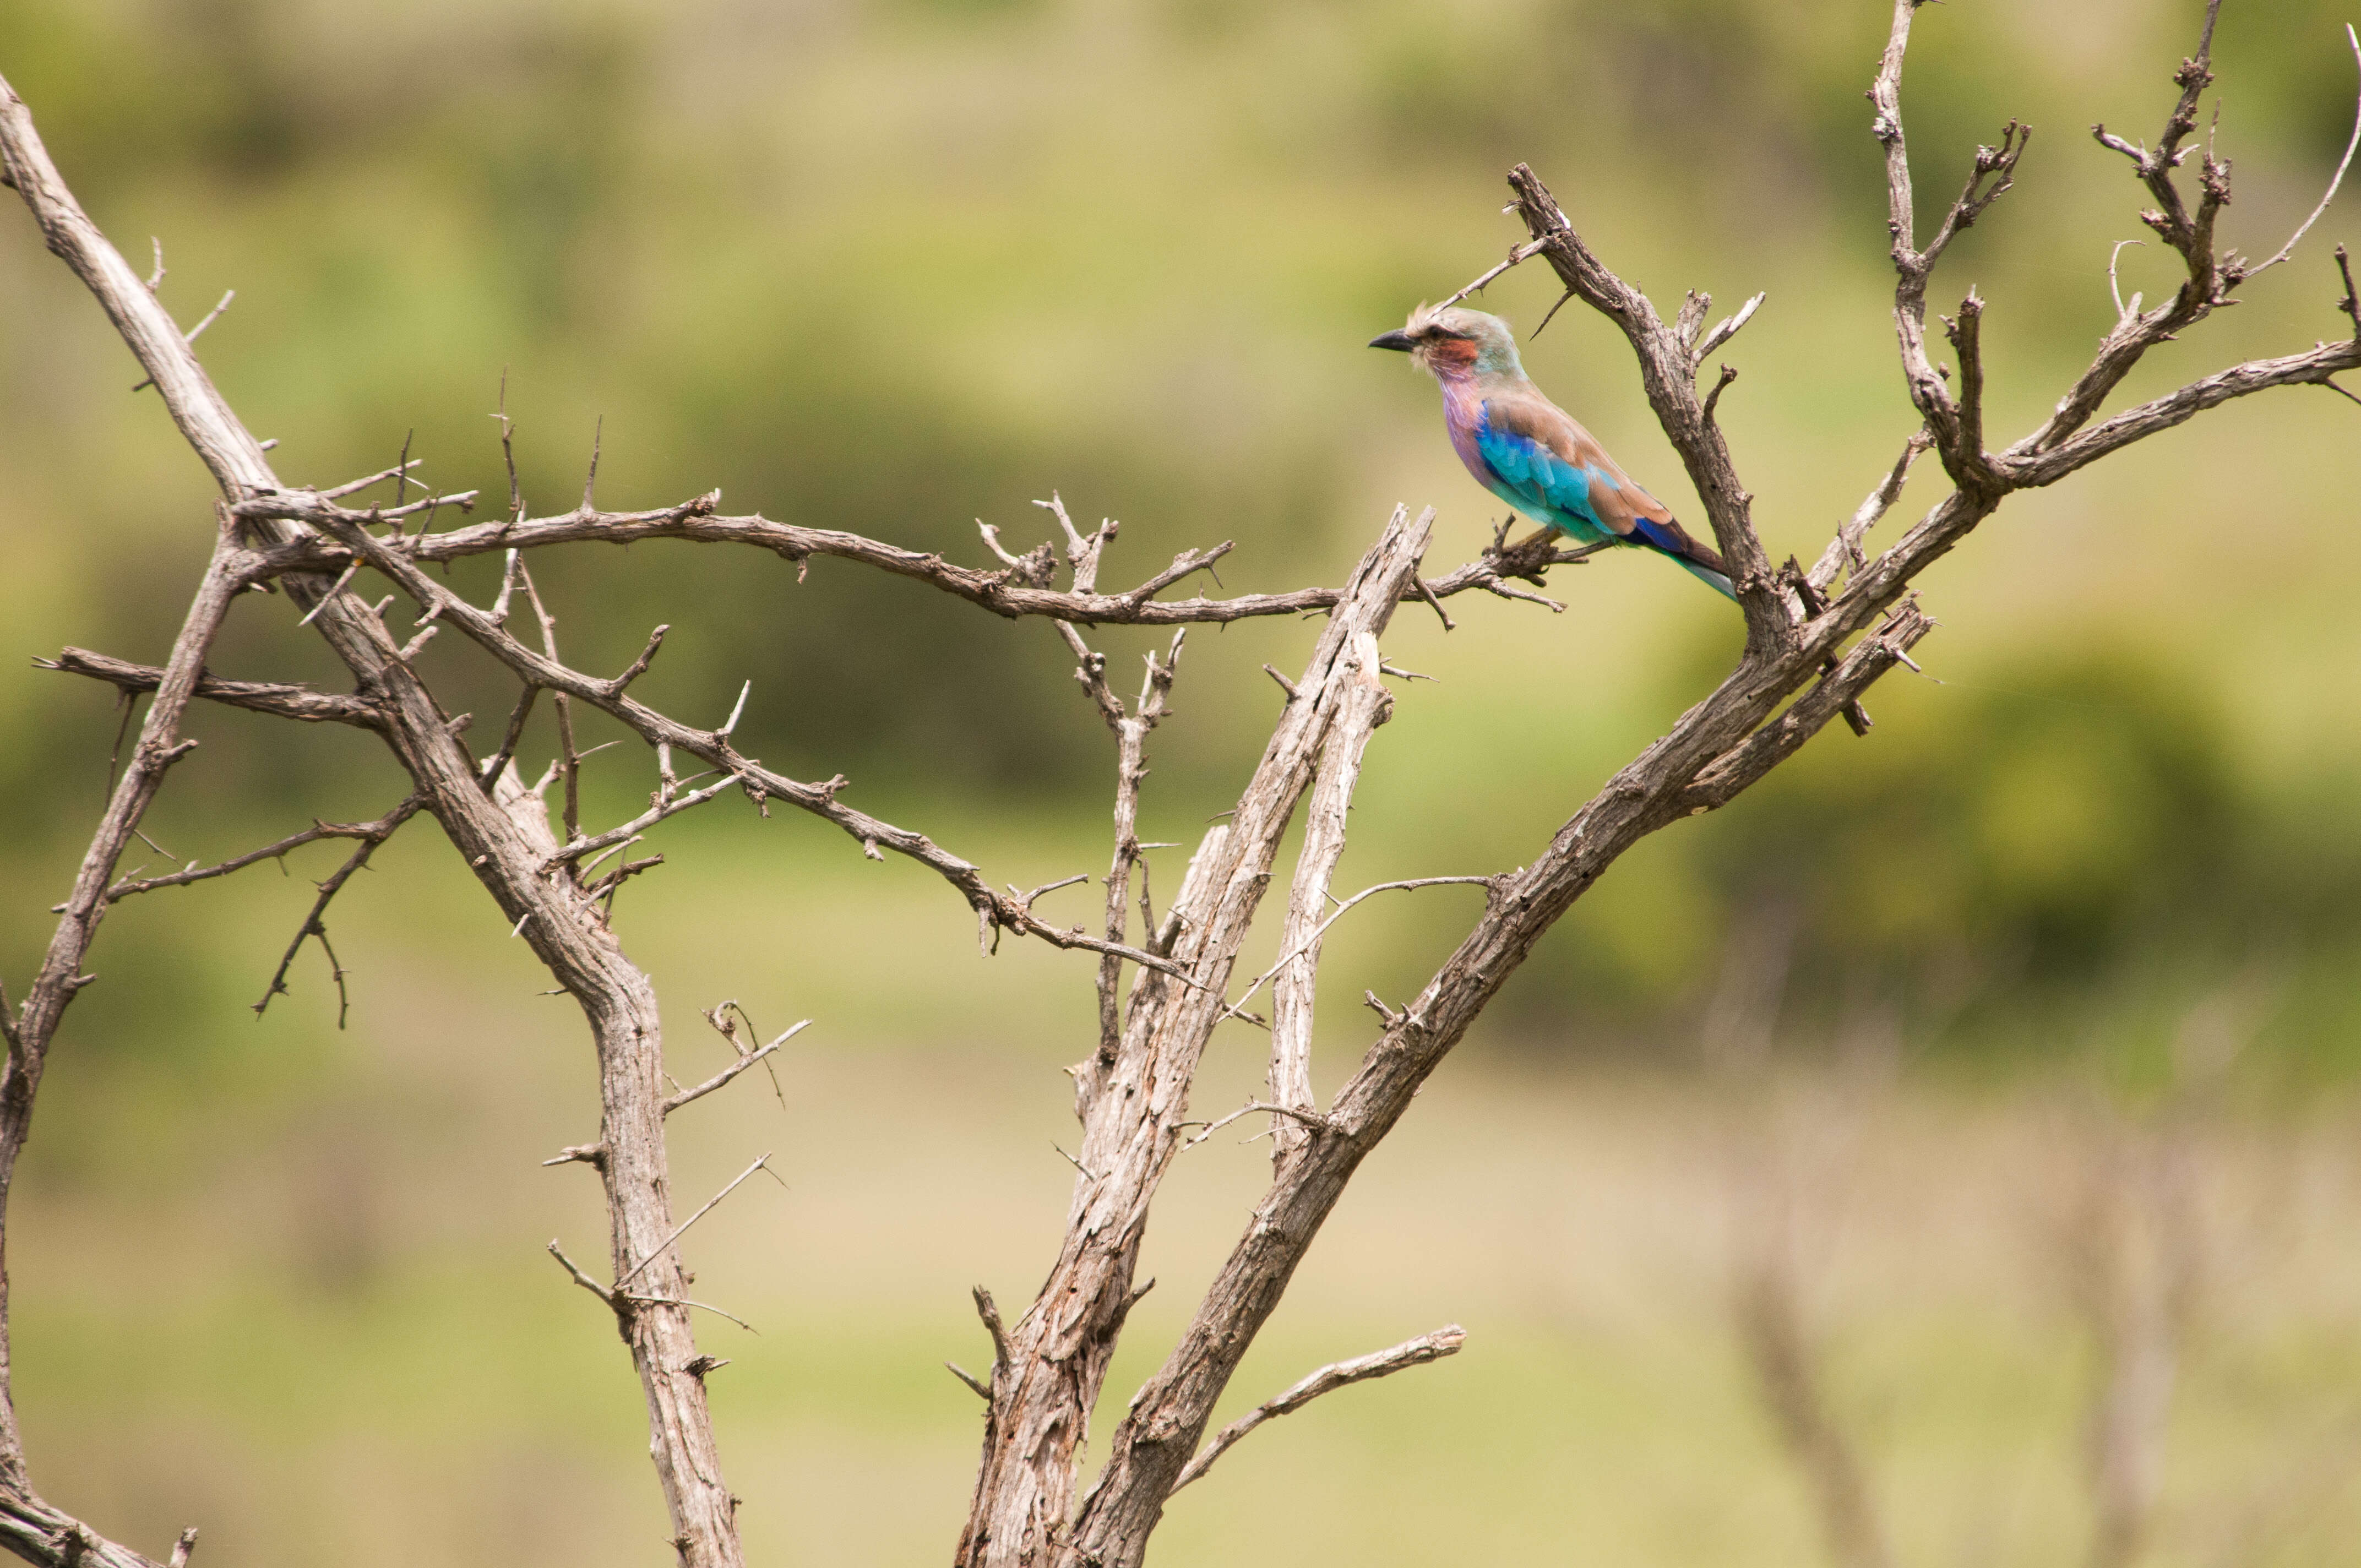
1816 640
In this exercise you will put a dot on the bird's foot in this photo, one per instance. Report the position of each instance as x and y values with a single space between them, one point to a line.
1529 557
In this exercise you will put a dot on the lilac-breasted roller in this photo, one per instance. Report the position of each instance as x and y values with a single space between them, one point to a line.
1531 453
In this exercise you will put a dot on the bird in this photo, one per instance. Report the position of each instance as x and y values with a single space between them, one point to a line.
1531 453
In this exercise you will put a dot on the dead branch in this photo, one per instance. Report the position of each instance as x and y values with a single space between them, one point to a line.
569 761
1716 749
1131 731
1006 592
1135 1108
722 1078
1844 550
38 1533
1668 374
277 852
1445 1341
60 975
1809 658
564 929
371 834
281 698
669 803
713 747
712 1204
1366 703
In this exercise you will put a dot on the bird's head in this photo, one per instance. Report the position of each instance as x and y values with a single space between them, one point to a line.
1451 343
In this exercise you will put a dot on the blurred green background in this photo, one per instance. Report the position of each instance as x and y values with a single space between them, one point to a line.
2063 952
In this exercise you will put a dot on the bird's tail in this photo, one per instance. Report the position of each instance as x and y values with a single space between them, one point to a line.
1719 581
1699 560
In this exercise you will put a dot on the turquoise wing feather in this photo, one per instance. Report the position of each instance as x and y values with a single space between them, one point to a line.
1554 490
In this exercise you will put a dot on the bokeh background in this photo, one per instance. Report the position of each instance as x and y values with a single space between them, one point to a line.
2008 1054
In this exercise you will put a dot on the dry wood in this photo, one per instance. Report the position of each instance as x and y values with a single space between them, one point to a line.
1131 730
1445 1341
285 700
1136 1107
564 928
1365 705
1012 591
1812 650
712 746
30 1031
1716 749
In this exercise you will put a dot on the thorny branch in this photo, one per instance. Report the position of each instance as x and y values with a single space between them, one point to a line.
713 747
1131 731
1014 591
501 835
277 852
371 834
1812 650
1720 746
280 698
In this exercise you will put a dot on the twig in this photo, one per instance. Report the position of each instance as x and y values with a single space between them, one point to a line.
1845 550
400 471
1521 253
1551 314
590 480
1001 591
1426 592
1082 551
508 452
1303 1117
1361 705
1445 1341
281 698
343 580
569 765
639 666
2351 145
989 1311
492 766
1721 384
682 1229
722 1078
277 851
577 848
584 1281
371 835
737 711
709 1363
2114 287
1290 955
193 334
1727 328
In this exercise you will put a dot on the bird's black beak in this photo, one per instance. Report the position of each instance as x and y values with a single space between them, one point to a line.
1396 339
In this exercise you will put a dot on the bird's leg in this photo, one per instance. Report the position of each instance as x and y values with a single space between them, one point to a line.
1529 557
